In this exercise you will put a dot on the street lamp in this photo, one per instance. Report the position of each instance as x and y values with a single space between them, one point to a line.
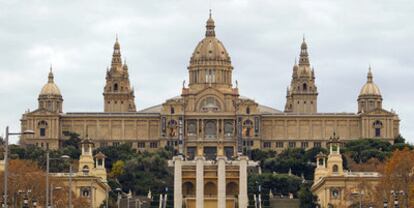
67 157
47 175
6 152
51 194
118 201
34 203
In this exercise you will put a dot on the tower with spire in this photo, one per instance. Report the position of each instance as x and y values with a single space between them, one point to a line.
118 94
302 94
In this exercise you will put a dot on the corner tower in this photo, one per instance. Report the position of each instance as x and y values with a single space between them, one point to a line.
302 94
118 94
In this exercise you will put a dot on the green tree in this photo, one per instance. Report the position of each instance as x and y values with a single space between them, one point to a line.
117 169
306 197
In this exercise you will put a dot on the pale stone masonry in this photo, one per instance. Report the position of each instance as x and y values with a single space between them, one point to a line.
218 183
209 109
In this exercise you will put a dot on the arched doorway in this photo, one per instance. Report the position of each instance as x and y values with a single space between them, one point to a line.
210 189
188 189
232 189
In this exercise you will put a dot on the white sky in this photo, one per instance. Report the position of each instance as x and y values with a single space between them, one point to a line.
157 37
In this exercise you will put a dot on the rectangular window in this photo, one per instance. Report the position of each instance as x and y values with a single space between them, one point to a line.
279 144
141 144
267 144
304 145
42 132
377 132
292 144
317 144
153 144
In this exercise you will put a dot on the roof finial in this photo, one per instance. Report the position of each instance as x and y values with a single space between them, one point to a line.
303 38
210 26
50 77
369 76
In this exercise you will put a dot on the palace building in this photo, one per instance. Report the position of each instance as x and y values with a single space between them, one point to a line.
210 114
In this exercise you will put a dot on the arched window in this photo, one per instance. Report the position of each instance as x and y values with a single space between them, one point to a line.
210 189
172 110
377 126
210 104
85 170
188 189
247 127
305 87
335 168
247 110
42 125
320 162
116 87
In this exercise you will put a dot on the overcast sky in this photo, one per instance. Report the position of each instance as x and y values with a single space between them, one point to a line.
158 37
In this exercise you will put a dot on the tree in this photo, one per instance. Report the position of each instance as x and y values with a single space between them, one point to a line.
306 197
117 169
397 175
26 178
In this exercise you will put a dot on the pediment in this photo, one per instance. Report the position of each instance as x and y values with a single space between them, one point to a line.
41 111
378 112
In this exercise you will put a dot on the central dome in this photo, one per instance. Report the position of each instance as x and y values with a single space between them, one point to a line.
210 48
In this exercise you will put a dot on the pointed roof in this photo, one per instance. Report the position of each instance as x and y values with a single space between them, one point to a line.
304 55
116 55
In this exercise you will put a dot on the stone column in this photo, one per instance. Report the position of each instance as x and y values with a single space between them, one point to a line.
243 198
199 182
221 183
178 196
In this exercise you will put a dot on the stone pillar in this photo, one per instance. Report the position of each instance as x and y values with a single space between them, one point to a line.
199 182
221 183
243 198
178 196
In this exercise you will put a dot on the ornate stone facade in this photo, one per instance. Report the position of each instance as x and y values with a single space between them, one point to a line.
336 187
209 114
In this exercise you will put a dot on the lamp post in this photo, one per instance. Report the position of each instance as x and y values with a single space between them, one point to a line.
34 203
6 153
47 177
118 201
66 157
51 194
396 194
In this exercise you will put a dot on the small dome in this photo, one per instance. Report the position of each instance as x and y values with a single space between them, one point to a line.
50 88
370 88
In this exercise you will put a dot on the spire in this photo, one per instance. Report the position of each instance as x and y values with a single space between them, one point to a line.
369 77
304 56
116 56
210 27
50 77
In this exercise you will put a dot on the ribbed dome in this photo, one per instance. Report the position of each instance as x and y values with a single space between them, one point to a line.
370 88
50 88
210 48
